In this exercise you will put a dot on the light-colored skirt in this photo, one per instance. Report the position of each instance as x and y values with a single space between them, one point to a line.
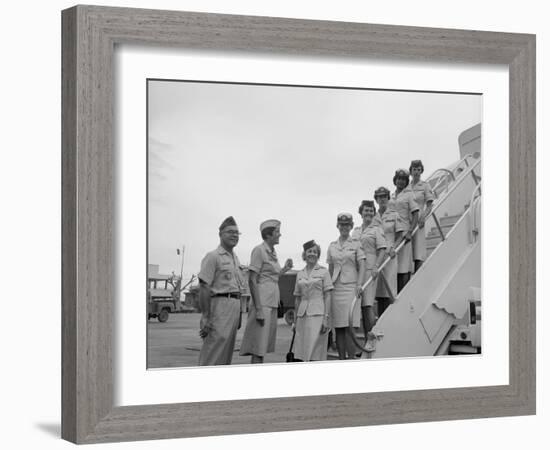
310 344
218 345
390 273
259 340
404 259
419 245
342 296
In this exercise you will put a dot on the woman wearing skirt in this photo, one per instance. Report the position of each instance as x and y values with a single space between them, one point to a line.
407 210
346 264
372 240
424 198
264 271
312 306
387 218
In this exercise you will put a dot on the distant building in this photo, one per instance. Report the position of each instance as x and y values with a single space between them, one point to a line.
152 270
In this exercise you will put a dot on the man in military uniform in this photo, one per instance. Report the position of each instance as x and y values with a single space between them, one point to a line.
220 293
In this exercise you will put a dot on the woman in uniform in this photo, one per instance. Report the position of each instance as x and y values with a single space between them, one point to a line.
424 198
263 278
373 243
407 210
387 219
312 305
346 264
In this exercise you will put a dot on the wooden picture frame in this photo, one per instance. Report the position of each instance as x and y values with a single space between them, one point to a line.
89 37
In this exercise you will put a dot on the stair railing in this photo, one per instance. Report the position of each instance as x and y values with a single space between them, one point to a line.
450 172
473 211
447 194
442 180
398 248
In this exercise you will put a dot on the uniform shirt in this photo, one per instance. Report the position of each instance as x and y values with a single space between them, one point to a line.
264 262
221 270
311 288
422 193
388 222
404 205
371 239
345 259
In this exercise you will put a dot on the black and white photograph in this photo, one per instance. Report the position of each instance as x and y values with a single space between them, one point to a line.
292 223
220 204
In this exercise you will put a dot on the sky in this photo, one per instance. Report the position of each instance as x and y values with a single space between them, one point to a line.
298 154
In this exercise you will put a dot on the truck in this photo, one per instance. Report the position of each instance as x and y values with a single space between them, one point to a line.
287 282
163 296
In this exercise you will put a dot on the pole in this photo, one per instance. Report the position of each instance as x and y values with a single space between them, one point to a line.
181 273
182 253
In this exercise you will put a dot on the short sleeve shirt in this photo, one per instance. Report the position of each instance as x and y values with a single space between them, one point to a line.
422 193
345 259
264 262
405 205
371 239
388 222
311 288
221 270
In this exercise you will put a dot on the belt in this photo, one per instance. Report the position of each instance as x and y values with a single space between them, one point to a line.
236 295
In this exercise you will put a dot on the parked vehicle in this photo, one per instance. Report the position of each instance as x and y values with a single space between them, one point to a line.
163 296
287 282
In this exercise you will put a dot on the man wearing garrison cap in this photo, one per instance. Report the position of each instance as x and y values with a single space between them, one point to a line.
263 278
220 298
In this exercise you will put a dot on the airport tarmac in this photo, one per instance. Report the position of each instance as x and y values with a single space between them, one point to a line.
176 343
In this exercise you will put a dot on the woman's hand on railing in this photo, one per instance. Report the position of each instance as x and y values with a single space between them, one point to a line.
358 291
392 253
374 272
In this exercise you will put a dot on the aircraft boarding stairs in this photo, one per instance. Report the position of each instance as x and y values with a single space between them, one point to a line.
435 303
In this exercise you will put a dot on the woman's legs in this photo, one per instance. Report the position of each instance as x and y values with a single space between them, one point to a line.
353 351
417 264
402 280
255 359
369 319
383 303
344 344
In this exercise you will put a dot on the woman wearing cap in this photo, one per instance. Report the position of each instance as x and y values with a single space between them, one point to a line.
312 306
424 198
263 278
387 218
346 264
407 210
373 243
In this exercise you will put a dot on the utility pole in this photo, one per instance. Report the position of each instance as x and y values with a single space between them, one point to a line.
182 254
